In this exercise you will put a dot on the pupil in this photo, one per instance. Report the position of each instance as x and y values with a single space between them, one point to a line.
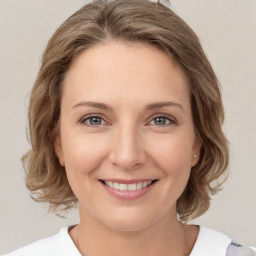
95 121
160 120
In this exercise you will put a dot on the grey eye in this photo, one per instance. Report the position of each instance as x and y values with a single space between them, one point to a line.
160 120
94 120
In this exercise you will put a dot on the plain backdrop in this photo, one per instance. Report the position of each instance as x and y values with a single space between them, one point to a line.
228 35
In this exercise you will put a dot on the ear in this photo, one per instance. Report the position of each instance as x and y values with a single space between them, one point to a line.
58 150
196 150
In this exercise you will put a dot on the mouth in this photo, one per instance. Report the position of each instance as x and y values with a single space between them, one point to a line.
135 186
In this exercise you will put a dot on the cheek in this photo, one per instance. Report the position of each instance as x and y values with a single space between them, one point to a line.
173 157
173 152
83 155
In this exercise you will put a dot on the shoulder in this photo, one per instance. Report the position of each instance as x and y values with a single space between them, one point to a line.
212 242
60 244
235 249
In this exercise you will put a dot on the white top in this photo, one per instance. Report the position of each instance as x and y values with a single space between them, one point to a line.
209 242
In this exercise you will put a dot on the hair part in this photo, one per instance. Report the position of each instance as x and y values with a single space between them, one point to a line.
147 22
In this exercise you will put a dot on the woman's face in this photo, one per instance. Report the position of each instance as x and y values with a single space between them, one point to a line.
126 134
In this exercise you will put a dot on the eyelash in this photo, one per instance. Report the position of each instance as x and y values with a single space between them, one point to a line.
172 120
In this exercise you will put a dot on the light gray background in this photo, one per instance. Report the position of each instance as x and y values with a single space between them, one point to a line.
228 34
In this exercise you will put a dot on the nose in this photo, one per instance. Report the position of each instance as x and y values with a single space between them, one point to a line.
127 151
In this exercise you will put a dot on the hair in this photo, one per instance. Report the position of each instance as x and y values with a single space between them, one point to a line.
127 21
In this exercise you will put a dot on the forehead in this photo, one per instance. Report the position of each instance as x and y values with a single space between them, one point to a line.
136 70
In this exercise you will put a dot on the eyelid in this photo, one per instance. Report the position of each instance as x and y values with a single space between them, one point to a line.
82 120
172 119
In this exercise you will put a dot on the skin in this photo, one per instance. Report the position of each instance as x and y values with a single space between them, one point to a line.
127 142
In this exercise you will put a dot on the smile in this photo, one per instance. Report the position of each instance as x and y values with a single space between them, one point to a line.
128 187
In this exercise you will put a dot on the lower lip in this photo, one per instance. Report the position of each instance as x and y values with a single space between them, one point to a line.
127 195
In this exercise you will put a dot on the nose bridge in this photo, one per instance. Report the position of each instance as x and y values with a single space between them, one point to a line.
127 148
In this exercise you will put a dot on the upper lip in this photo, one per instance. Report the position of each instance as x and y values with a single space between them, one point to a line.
124 181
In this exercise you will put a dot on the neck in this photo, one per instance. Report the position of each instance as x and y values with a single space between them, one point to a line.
167 237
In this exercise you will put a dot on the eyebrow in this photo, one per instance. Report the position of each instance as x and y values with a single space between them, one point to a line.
147 107
163 104
94 105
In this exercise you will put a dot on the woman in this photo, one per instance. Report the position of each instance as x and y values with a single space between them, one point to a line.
125 118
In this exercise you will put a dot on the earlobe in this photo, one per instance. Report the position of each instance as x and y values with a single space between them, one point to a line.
195 159
58 150
196 151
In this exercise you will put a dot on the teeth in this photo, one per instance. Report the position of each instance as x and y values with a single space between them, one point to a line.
116 186
145 183
128 187
139 185
132 187
123 187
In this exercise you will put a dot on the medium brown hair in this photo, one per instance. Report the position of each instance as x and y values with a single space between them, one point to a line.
128 21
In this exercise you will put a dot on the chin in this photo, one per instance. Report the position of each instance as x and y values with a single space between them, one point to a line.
127 226
129 221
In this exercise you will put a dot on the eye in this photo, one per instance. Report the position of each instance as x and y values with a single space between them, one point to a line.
162 121
93 121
